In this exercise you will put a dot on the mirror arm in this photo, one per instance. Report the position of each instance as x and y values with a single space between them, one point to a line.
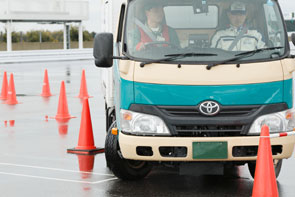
120 57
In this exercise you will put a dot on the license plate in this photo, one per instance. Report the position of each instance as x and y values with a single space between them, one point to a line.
209 150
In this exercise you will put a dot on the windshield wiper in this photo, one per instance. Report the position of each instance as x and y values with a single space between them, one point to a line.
190 54
242 55
171 57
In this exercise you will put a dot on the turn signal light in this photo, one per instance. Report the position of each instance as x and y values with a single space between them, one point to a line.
127 116
115 131
288 116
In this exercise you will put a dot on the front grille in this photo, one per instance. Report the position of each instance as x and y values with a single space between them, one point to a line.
226 111
208 130
187 121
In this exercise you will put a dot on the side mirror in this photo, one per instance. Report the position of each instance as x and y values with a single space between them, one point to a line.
103 50
293 38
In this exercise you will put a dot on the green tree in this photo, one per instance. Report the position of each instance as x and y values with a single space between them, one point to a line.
93 35
87 36
4 37
33 36
74 34
15 37
47 36
57 36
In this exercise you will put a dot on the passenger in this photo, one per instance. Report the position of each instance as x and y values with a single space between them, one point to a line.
237 37
154 29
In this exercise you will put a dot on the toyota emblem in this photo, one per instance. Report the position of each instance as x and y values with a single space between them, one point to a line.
209 108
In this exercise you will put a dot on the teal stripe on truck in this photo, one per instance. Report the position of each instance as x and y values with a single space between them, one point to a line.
248 94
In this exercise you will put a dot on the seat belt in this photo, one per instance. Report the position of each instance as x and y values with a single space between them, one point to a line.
236 40
146 30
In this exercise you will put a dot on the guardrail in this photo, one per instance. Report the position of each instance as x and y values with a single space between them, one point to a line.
45 56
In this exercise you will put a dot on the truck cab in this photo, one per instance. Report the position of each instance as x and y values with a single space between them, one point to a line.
193 81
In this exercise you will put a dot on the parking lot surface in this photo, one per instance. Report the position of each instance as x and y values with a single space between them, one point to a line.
33 149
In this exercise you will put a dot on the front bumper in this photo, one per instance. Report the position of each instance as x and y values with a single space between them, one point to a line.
128 145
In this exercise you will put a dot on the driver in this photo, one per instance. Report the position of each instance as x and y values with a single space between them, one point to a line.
237 37
154 29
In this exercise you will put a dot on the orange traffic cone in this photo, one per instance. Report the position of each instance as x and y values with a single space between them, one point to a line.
83 87
46 87
4 89
11 96
86 163
86 142
265 183
63 111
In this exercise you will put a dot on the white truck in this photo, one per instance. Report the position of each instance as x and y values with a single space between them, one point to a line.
195 89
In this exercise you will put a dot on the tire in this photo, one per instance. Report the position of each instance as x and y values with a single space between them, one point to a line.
277 166
123 168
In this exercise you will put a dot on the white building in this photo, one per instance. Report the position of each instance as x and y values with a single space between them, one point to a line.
44 11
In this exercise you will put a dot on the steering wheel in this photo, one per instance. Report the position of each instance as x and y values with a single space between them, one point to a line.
278 35
148 44
276 39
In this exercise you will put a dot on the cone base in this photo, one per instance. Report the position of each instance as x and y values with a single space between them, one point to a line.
84 97
85 152
11 103
63 118
45 95
3 98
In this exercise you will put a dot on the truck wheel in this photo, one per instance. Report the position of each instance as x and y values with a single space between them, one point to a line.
277 166
123 168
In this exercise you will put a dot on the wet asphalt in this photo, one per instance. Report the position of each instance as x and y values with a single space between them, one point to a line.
34 160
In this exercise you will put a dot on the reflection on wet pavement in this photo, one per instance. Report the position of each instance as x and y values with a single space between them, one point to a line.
86 163
62 127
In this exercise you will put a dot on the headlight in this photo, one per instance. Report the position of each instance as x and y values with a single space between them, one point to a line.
277 122
142 124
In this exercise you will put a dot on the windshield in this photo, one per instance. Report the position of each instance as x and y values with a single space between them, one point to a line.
156 29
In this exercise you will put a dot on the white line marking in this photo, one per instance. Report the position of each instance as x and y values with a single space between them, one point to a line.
48 178
29 157
96 182
56 169
57 179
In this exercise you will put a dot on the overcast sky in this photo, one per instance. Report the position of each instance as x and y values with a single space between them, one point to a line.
287 6
93 24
